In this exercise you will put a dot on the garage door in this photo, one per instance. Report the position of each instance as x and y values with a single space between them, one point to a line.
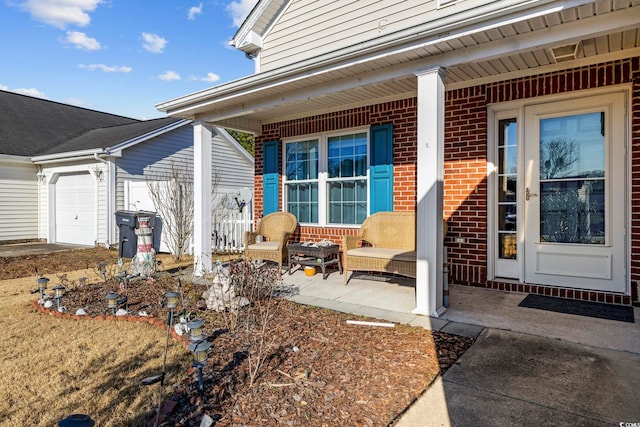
75 209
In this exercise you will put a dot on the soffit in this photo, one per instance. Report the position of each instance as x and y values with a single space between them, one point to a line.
393 75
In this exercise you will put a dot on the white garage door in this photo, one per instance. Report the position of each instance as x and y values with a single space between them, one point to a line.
75 209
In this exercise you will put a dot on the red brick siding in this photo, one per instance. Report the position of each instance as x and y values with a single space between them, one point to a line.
465 186
465 168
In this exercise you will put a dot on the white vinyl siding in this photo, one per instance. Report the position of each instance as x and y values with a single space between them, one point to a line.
310 28
18 201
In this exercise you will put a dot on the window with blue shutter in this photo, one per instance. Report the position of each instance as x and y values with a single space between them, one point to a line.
270 177
381 169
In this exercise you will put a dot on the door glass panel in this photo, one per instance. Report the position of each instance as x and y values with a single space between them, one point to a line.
507 188
572 179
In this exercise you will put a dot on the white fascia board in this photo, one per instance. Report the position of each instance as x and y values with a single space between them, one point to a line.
9 158
249 23
116 150
491 15
231 140
68 156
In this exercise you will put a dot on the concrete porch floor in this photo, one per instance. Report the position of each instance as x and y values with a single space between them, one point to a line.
392 298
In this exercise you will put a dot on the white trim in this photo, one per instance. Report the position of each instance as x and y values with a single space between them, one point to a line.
235 144
496 111
322 180
67 156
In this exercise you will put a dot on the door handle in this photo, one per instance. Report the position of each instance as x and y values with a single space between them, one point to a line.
528 194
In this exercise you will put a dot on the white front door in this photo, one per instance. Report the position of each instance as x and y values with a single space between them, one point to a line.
574 193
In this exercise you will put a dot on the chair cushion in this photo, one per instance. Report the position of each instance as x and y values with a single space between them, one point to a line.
395 254
265 246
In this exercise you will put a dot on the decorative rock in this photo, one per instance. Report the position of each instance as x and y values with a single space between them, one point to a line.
48 304
181 329
221 296
143 313
81 312
121 312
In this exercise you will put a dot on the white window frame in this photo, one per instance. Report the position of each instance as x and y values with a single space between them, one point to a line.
323 153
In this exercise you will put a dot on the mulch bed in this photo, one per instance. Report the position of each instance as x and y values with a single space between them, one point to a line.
320 370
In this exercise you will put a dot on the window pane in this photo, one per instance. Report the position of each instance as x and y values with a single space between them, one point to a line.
302 160
572 146
507 218
572 211
302 201
507 188
507 246
347 155
347 201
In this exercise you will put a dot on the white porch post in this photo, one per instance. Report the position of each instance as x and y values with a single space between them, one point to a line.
430 165
202 198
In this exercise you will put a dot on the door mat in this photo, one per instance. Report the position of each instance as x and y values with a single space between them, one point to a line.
600 310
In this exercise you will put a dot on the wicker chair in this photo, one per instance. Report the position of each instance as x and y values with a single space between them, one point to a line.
276 229
392 236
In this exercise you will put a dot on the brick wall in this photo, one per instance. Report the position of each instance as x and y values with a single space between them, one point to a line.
465 186
465 168
402 114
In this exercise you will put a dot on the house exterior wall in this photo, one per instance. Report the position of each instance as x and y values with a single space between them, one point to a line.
18 201
153 159
309 29
466 147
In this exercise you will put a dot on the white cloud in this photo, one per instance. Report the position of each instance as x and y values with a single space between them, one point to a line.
169 75
3 87
30 92
210 77
239 10
107 68
77 102
61 13
194 10
153 43
82 41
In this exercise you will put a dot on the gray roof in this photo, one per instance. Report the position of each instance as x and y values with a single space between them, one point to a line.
33 126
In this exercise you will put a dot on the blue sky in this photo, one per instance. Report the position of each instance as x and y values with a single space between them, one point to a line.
119 56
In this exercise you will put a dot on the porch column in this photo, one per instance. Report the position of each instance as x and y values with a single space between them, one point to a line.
430 165
202 198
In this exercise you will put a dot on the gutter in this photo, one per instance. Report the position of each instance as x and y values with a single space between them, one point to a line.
15 159
491 15
67 156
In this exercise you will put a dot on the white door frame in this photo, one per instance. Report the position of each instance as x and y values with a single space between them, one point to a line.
516 109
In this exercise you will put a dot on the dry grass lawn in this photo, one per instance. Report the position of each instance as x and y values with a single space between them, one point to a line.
52 367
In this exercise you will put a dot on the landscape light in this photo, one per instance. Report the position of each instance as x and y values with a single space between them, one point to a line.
195 326
112 301
172 300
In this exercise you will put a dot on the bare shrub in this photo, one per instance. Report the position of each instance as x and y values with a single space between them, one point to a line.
253 325
171 191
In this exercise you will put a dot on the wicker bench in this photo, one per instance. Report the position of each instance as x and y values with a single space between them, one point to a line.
392 236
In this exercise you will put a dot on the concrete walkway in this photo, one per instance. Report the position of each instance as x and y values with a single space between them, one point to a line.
24 249
527 367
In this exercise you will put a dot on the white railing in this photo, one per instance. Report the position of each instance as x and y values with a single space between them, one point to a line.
228 227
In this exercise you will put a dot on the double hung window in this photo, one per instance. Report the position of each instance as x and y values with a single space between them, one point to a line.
326 180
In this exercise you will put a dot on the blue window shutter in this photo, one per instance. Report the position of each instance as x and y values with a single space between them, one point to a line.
381 168
270 177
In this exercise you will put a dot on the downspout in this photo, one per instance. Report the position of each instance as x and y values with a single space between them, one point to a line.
97 157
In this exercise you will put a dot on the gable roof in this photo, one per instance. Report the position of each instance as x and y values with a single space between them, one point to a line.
35 127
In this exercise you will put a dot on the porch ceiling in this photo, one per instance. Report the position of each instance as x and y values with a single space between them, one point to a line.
605 30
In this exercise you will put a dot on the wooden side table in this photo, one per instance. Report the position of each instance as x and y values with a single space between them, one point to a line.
316 256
